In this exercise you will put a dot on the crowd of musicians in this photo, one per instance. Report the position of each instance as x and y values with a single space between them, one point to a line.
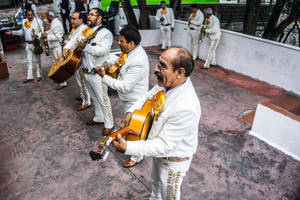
173 136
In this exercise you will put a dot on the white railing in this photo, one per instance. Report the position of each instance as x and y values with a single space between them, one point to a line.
265 60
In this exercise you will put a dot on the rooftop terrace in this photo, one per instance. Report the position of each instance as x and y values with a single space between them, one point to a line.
45 143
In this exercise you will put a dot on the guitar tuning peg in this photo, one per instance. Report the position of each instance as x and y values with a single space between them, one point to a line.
105 155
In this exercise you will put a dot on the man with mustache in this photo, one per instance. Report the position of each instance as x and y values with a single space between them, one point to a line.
78 20
95 52
30 25
133 79
173 137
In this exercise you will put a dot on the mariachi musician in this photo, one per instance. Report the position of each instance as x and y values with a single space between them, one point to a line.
173 137
133 79
54 36
165 16
32 29
213 32
194 25
78 25
95 52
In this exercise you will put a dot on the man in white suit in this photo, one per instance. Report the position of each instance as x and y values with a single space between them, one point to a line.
173 137
133 79
213 31
54 36
77 22
95 52
194 26
166 19
31 25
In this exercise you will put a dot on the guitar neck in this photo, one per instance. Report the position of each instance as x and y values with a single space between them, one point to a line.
105 142
123 132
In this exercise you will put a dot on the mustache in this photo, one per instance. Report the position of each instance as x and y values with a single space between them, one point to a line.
158 75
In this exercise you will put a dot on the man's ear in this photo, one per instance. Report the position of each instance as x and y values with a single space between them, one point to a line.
100 18
181 72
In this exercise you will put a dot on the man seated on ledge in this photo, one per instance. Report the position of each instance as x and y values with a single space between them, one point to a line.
173 137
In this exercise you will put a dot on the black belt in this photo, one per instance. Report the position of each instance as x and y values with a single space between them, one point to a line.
166 24
86 71
29 42
192 28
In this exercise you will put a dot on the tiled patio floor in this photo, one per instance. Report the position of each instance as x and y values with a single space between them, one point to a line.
45 145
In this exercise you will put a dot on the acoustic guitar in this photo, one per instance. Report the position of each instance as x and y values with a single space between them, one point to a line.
64 68
138 128
114 70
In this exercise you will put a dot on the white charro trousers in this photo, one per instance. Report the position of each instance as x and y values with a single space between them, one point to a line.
84 93
211 58
165 34
55 52
99 95
193 42
29 58
167 177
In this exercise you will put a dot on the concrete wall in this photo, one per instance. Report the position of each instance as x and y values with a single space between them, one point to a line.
277 128
269 61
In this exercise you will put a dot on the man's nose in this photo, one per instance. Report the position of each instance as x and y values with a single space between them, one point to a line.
156 69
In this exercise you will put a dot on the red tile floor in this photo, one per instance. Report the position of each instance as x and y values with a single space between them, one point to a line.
45 143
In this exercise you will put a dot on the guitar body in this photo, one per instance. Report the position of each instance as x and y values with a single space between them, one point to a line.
113 71
138 128
65 68
140 122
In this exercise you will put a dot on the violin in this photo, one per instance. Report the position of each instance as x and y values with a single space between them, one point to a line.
37 44
45 40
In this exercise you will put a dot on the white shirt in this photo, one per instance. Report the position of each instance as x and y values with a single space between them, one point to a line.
75 35
93 4
133 79
175 132
213 28
97 49
197 21
56 33
169 17
36 25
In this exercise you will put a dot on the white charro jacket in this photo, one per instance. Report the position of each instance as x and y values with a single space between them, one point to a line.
175 133
213 28
36 25
197 21
169 17
74 36
55 35
133 79
96 50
